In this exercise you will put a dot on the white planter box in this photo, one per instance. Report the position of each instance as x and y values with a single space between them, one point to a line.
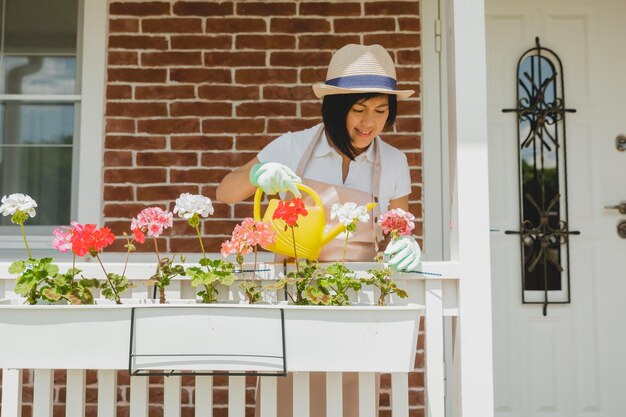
216 337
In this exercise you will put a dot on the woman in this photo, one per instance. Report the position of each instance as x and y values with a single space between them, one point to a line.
342 159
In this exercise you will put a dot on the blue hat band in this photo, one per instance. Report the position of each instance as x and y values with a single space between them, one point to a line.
363 81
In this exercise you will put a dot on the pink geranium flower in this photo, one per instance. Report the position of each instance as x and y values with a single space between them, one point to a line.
151 220
235 246
62 239
246 236
397 222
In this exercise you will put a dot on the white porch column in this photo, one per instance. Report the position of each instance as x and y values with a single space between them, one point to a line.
467 109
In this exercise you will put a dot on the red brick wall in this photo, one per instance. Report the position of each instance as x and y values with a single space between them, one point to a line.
196 89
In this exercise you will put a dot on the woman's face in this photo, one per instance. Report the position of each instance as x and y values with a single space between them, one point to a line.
365 120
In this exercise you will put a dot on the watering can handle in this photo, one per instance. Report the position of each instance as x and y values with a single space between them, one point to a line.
301 187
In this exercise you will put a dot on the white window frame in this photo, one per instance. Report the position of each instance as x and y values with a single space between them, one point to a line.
87 189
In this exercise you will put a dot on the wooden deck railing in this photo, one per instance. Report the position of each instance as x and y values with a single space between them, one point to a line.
437 291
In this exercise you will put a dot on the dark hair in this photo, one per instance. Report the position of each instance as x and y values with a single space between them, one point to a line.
335 108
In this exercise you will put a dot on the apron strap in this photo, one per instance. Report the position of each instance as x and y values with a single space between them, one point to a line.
304 161
376 192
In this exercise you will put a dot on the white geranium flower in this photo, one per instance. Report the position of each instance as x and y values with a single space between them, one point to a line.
18 202
189 204
349 213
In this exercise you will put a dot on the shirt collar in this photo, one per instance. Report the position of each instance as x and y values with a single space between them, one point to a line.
323 148
369 153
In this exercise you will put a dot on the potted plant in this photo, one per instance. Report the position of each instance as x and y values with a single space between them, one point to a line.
310 334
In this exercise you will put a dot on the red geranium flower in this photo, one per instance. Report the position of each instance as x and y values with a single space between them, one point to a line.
139 236
89 239
289 211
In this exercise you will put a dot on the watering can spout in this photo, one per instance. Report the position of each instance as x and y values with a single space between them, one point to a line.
335 231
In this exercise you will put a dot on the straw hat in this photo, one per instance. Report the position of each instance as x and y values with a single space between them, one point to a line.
360 69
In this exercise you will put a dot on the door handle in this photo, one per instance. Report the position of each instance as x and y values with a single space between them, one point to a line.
621 207
621 229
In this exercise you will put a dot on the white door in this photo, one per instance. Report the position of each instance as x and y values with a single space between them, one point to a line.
571 362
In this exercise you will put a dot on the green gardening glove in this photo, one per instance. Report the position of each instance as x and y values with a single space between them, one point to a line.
405 253
273 178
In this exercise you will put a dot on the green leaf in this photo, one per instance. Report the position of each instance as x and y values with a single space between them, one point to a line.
22 289
195 281
85 297
28 277
89 283
401 293
17 267
228 280
52 269
74 299
193 271
50 294
61 280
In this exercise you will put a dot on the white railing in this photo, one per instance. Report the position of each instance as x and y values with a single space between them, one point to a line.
437 292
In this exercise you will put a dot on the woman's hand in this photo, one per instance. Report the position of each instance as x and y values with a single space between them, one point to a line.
273 178
405 253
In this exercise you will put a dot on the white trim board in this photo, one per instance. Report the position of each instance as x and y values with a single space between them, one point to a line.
93 79
436 200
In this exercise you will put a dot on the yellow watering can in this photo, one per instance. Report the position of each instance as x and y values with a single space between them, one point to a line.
310 236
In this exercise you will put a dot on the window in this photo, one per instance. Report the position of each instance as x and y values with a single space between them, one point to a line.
52 59
544 232
38 107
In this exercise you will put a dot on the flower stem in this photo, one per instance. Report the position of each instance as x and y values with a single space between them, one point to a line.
295 253
159 266
381 297
240 263
126 262
345 247
254 268
73 265
156 249
130 241
25 242
117 297
202 246
200 239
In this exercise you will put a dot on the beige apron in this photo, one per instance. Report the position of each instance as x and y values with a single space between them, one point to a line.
362 247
